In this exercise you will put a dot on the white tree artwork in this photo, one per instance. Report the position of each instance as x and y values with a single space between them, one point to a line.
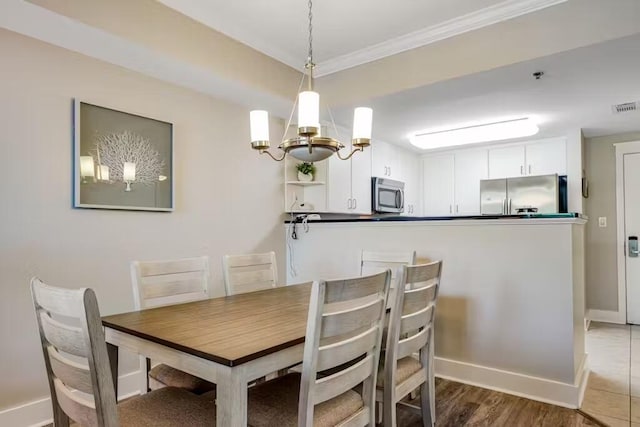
115 149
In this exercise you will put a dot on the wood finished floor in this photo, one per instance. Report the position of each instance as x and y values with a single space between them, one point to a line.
463 405
460 405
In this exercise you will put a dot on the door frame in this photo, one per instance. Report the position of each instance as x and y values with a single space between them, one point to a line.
621 150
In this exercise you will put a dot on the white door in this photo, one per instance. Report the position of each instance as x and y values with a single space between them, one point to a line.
438 185
470 168
506 162
361 182
547 157
631 167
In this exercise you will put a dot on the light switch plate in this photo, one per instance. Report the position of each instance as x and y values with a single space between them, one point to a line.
602 221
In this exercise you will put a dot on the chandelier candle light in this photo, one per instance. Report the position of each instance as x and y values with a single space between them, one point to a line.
309 145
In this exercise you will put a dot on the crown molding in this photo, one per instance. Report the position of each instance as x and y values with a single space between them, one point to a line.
500 12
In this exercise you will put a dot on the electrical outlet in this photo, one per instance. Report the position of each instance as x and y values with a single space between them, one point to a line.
602 221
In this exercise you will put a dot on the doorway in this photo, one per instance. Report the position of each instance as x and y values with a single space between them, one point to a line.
628 211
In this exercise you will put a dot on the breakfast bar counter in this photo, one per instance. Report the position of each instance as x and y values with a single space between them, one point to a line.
510 315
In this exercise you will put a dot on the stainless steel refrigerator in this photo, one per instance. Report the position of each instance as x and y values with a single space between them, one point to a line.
511 196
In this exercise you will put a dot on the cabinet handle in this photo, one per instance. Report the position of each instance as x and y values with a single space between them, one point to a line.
348 203
450 208
529 169
355 203
456 208
521 170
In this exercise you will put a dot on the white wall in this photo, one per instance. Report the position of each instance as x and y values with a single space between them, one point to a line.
228 199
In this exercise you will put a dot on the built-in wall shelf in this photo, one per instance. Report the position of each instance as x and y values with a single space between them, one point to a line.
305 183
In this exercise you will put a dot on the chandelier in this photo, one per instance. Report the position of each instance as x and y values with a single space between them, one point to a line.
310 145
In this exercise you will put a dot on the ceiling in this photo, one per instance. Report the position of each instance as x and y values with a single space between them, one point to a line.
348 33
577 91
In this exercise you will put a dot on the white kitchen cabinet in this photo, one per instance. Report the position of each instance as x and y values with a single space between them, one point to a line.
452 183
349 182
543 157
506 162
547 157
411 176
385 161
469 168
438 185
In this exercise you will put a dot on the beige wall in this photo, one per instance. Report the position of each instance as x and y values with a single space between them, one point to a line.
228 199
601 264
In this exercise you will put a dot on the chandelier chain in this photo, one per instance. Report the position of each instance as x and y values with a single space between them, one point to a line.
310 58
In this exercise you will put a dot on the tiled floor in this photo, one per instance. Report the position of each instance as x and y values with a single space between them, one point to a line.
613 391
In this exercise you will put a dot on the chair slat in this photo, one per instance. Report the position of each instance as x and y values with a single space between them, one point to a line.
416 320
347 289
81 410
390 257
418 299
336 354
250 259
184 265
336 384
247 278
63 337
344 322
414 343
59 301
428 272
72 374
171 284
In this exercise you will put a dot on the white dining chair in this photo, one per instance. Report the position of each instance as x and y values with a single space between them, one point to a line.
344 332
411 331
80 377
374 262
249 273
168 282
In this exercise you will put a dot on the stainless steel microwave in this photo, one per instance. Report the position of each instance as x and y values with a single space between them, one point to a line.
387 195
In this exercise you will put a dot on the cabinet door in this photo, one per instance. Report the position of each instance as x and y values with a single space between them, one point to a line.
339 184
410 167
470 168
547 157
438 185
361 181
506 162
383 160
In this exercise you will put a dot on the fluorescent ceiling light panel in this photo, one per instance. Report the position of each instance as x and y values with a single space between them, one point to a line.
496 131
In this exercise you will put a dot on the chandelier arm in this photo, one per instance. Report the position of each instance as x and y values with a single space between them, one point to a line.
271 155
355 150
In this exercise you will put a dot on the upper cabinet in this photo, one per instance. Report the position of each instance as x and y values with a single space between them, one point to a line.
438 185
535 158
409 164
470 167
385 161
349 182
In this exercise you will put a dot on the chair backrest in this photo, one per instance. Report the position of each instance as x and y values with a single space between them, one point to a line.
158 283
75 356
344 332
412 314
249 273
375 262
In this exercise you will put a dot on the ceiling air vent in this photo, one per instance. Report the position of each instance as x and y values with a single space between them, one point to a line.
627 107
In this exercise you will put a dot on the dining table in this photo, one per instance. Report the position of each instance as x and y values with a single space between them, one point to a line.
230 341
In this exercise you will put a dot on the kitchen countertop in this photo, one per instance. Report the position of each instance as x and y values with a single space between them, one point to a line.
399 218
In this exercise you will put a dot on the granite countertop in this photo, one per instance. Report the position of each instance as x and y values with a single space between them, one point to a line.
384 218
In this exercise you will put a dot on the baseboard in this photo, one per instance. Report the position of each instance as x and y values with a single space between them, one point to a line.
534 388
38 412
607 316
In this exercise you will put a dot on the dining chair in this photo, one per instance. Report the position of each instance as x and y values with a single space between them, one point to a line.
343 336
411 331
81 380
167 282
375 262
249 273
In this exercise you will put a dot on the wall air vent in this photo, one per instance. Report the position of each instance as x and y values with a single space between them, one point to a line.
627 107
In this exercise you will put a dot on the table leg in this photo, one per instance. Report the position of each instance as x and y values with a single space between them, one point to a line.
112 352
231 399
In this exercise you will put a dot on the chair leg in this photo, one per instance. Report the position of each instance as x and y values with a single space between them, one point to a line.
389 414
425 405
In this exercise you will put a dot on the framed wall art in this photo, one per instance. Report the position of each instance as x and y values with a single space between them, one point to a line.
121 160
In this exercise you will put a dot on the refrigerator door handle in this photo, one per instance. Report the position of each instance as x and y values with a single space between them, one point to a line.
509 208
504 206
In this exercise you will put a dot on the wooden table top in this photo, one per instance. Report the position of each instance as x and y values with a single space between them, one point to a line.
229 330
